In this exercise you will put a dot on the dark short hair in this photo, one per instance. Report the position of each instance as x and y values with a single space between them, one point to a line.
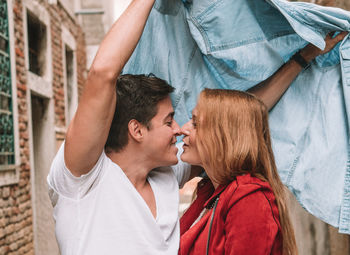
137 98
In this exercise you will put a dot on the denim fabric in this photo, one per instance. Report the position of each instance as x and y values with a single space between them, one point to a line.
237 44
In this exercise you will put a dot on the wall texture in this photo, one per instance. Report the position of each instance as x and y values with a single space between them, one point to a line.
16 201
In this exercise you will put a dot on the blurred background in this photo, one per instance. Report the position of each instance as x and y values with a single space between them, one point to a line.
46 49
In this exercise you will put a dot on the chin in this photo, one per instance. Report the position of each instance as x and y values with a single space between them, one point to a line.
190 159
184 158
172 162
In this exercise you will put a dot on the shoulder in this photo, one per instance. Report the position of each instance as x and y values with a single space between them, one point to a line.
250 215
62 181
250 196
248 185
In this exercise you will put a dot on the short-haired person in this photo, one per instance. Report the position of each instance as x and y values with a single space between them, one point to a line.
110 184
241 209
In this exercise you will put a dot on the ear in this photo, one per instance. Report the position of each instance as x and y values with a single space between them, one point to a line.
136 130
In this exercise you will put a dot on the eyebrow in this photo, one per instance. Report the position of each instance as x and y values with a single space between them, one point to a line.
171 115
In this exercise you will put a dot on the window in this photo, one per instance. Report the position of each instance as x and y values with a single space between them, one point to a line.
36 44
70 74
38 48
69 80
7 152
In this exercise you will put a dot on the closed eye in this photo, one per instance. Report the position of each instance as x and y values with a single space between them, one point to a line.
194 124
193 121
168 120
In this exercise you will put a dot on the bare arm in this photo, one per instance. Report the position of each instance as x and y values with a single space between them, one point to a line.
88 131
272 89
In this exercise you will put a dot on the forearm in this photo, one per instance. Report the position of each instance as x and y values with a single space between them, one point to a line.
122 38
116 48
272 89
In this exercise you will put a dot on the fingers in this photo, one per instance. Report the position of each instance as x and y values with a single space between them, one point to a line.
331 41
310 52
337 38
341 36
331 34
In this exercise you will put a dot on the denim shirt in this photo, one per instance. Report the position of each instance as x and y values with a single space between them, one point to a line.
235 45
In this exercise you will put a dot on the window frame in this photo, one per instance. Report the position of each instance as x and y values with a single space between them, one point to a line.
41 85
69 40
9 174
65 4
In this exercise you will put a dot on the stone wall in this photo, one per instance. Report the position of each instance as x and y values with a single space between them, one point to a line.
16 201
16 233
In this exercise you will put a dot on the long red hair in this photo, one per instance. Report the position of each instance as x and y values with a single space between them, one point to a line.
233 138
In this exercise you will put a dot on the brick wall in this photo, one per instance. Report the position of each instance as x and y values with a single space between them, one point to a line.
16 214
16 233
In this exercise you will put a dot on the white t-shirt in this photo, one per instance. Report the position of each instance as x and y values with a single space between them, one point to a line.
102 213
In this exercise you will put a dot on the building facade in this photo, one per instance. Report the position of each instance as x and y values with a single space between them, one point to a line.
43 68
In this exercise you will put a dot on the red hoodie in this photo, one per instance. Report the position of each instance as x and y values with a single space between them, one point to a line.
246 220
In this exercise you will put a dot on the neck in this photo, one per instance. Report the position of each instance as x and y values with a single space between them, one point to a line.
215 184
133 165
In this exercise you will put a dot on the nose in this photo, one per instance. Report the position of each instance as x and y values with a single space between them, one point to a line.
176 128
185 128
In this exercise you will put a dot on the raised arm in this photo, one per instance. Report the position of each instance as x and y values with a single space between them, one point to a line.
272 89
88 131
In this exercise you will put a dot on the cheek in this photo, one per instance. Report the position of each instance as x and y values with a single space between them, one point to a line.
191 155
193 138
194 149
163 136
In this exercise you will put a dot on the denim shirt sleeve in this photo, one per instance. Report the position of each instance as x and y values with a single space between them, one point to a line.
235 45
344 225
313 22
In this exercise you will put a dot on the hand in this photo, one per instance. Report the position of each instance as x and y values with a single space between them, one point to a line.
310 51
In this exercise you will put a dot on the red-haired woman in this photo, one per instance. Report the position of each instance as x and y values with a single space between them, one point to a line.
240 209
